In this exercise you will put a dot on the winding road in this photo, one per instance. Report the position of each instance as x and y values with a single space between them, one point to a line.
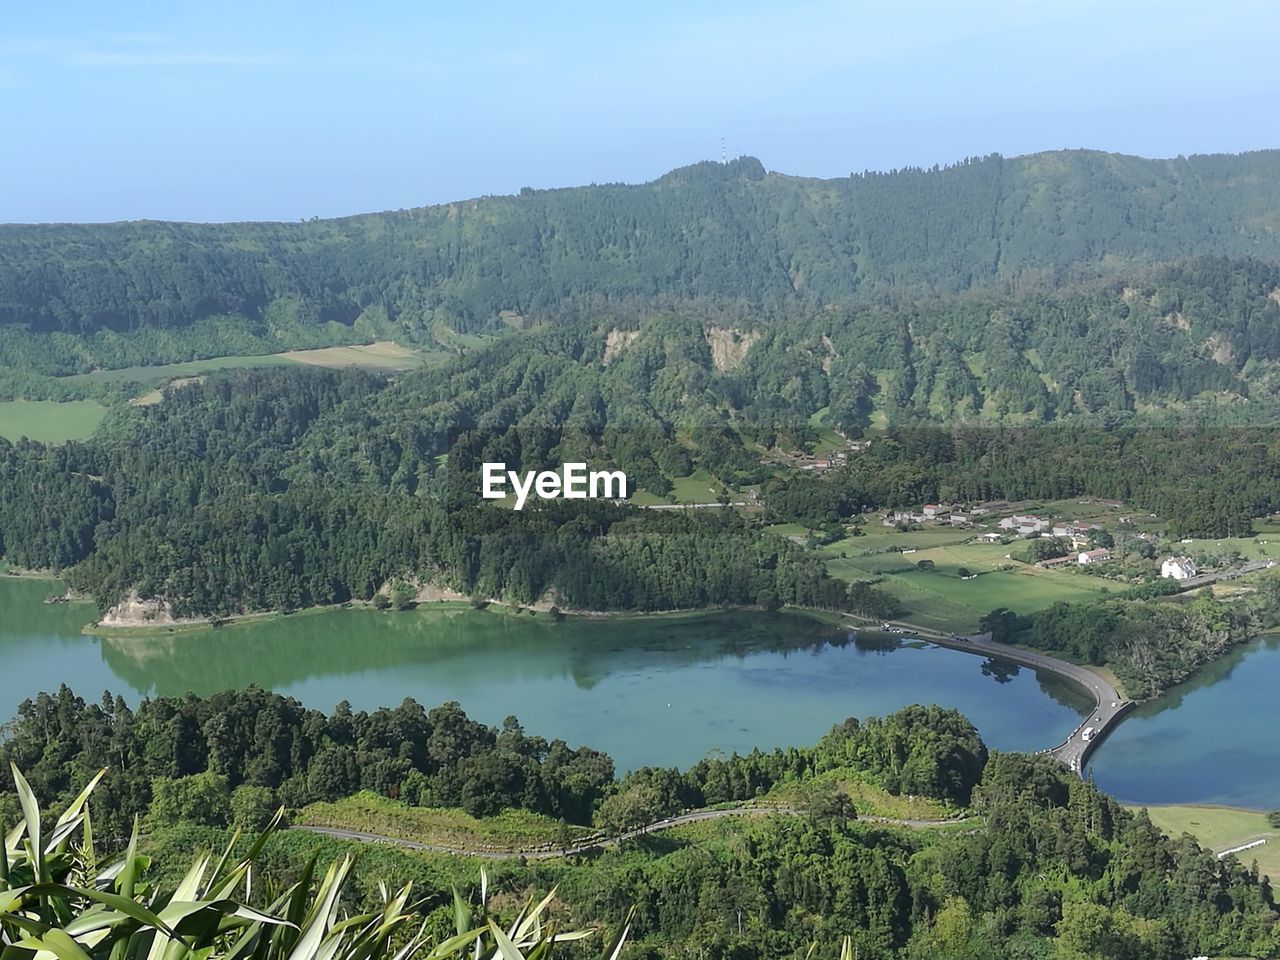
552 851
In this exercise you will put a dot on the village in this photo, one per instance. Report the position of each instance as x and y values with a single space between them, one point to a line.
950 564
1063 542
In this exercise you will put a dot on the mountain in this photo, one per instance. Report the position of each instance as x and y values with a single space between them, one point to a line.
719 231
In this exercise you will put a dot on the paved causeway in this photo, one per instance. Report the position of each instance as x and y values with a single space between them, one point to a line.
1109 706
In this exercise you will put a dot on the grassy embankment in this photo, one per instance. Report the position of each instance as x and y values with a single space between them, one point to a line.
520 830
510 830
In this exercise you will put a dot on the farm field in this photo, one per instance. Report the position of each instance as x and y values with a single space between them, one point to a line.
1265 546
49 421
163 372
939 598
698 487
383 355
1220 828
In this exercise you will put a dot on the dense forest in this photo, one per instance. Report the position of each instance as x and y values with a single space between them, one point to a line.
285 488
1047 867
1148 645
722 231
203 753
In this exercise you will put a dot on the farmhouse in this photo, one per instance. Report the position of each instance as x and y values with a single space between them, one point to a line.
1025 523
990 538
1101 555
1056 561
1178 568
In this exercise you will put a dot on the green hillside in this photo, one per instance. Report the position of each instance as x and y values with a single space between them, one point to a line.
728 231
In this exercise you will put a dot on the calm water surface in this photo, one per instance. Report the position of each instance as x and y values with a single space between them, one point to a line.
1213 740
658 691
664 691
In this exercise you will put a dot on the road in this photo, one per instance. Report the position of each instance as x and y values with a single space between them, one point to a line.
690 506
1109 706
551 851
1207 578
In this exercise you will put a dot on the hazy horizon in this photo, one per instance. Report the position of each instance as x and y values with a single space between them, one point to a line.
600 183
148 111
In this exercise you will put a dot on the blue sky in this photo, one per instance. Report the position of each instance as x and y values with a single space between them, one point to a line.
282 110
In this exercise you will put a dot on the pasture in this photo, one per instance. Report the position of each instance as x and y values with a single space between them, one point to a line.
1220 828
939 597
384 355
50 421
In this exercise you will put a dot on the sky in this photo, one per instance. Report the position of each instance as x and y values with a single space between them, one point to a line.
284 110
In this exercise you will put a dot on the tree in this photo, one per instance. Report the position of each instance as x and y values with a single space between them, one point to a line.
924 564
200 798
828 802
1001 623
963 573
252 807
629 809
402 595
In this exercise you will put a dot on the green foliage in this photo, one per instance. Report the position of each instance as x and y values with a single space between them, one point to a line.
252 807
208 761
200 798
1149 645
710 230
58 900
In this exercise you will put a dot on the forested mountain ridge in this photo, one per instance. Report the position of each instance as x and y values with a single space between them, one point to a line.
731 232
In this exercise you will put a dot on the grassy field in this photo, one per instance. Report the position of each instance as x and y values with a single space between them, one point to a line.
940 598
868 799
698 487
163 372
49 421
828 439
1220 828
384 355
369 813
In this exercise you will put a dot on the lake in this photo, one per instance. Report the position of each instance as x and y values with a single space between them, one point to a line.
663 690
648 691
1215 739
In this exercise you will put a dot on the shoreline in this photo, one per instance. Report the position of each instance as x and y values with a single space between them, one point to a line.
143 629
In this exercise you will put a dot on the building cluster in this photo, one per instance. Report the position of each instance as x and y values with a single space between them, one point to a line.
1080 536
1082 557
821 464
1178 568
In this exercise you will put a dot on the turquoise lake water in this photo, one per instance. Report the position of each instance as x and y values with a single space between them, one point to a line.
662 690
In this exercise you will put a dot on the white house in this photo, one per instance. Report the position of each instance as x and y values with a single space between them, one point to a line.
1101 555
1178 568
1024 523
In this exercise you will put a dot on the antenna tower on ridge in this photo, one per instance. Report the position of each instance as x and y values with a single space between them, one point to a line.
724 158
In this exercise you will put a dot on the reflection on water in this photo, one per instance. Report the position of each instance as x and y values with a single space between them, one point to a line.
649 691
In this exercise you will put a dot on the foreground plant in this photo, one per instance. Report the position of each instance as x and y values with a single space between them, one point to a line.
57 904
